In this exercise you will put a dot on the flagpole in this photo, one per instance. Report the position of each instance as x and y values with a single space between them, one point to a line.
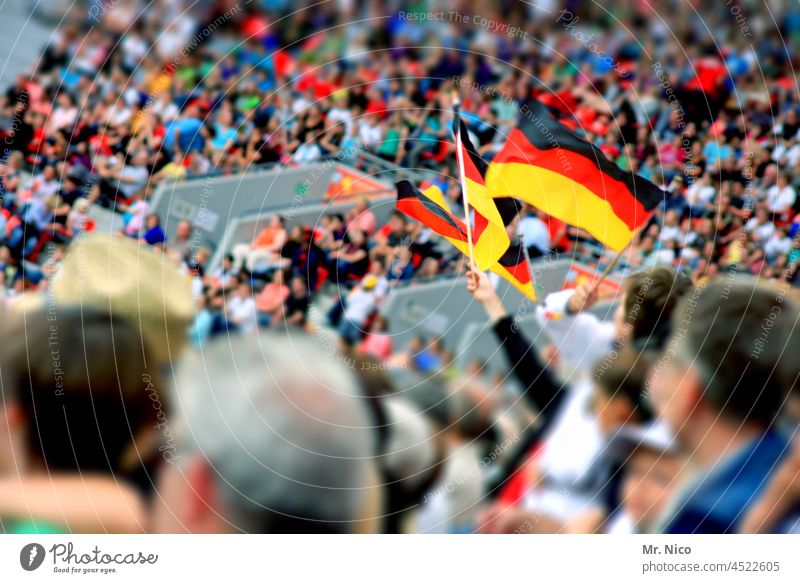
610 267
463 177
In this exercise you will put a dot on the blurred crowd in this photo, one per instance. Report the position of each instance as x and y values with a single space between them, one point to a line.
678 416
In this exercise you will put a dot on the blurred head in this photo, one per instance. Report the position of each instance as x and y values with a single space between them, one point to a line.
650 297
651 478
619 397
285 449
184 230
730 359
298 286
83 391
397 222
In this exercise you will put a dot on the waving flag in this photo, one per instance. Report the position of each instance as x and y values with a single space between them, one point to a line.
551 168
430 209
490 239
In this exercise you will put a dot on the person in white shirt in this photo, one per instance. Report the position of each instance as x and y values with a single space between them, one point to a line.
778 244
700 194
301 103
339 113
787 153
358 307
308 152
369 131
63 115
534 233
781 196
566 484
240 308
45 185
760 227
671 229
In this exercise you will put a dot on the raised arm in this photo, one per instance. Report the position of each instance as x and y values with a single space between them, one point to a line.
541 388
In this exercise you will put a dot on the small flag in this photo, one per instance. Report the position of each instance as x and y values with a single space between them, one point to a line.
430 209
490 239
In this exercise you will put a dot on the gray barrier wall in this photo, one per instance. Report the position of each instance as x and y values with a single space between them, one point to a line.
212 203
446 309
246 228
217 204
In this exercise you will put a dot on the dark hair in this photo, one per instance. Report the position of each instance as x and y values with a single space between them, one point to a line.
624 377
81 379
650 298
740 337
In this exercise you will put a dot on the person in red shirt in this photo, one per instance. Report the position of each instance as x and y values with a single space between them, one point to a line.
265 249
269 303
378 342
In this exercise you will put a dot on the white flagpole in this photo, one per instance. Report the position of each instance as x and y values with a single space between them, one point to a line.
463 178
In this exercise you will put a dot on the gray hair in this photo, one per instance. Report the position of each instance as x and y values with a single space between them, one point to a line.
284 427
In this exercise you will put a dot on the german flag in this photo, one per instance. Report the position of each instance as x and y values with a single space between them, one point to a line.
548 166
430 209
489 237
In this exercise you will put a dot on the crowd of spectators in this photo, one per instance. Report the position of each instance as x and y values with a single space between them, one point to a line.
595 444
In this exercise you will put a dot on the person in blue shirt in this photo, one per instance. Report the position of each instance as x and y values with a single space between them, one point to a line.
188 133
154 235
401 267
723 379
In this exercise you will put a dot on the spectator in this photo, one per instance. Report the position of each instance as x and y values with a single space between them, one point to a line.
297 303
70 476
361 217
240 308
534 232
154 234
378 342
706 396
270 300
266 248
299 459
358 307
180 248
781 196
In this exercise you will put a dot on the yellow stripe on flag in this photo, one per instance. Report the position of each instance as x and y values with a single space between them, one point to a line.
561 197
